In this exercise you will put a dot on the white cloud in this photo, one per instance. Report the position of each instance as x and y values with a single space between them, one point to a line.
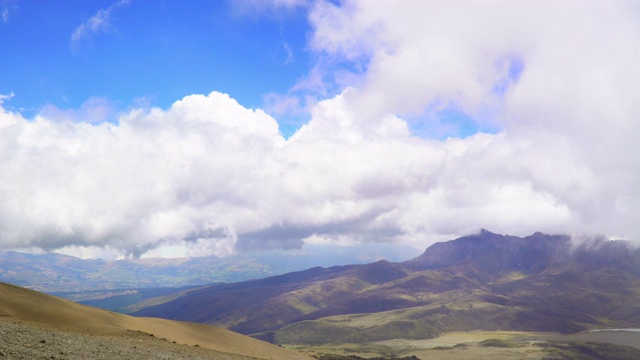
7 8
558 81
155 177
290 56
5 97
95 110
559 78
100 22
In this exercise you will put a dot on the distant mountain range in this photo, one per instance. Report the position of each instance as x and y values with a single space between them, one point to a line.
56 273
484 281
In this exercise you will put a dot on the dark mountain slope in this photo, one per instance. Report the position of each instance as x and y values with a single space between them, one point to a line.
492 253
602 253
270 302
479 282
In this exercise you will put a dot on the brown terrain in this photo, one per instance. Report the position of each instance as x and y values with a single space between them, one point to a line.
482 282
38 326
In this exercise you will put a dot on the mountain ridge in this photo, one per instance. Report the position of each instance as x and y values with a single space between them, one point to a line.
51 272
484 281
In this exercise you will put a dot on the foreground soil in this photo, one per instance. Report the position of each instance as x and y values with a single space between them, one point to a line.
24 340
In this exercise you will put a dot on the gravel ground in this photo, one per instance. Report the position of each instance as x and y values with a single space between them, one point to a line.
21 340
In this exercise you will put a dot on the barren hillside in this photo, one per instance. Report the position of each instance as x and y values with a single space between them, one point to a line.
35 324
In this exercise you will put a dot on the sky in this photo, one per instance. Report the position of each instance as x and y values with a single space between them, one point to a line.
136 128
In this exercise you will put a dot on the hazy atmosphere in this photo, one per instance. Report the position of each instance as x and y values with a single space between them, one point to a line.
148 128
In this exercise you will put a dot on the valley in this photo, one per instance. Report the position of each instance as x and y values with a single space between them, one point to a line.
486 282
479 284
73 278
483 296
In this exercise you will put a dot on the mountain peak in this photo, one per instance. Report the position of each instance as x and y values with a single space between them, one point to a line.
494 252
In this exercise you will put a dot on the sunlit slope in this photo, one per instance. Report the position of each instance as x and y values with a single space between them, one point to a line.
31 306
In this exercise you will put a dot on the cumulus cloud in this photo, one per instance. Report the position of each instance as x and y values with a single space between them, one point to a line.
100 22
557 82
156 177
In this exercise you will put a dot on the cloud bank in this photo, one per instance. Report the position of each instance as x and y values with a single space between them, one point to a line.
555 86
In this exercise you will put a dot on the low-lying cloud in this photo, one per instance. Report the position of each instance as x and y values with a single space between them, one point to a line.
558 83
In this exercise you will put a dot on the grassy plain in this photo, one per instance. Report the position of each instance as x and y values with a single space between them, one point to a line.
494 345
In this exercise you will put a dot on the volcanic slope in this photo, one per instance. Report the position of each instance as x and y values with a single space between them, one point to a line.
35 325
484 281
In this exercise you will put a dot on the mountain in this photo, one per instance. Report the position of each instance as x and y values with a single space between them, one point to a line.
493 253
484 281
51 324
52 272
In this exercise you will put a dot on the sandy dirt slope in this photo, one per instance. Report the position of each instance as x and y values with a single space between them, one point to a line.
25 306
25 340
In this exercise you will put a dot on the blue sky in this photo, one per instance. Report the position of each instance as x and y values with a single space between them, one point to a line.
154 52
185 128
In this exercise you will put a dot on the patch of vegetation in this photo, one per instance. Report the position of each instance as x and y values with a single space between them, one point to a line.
456 346
325 332
442 348
500 343
395 330
312 333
